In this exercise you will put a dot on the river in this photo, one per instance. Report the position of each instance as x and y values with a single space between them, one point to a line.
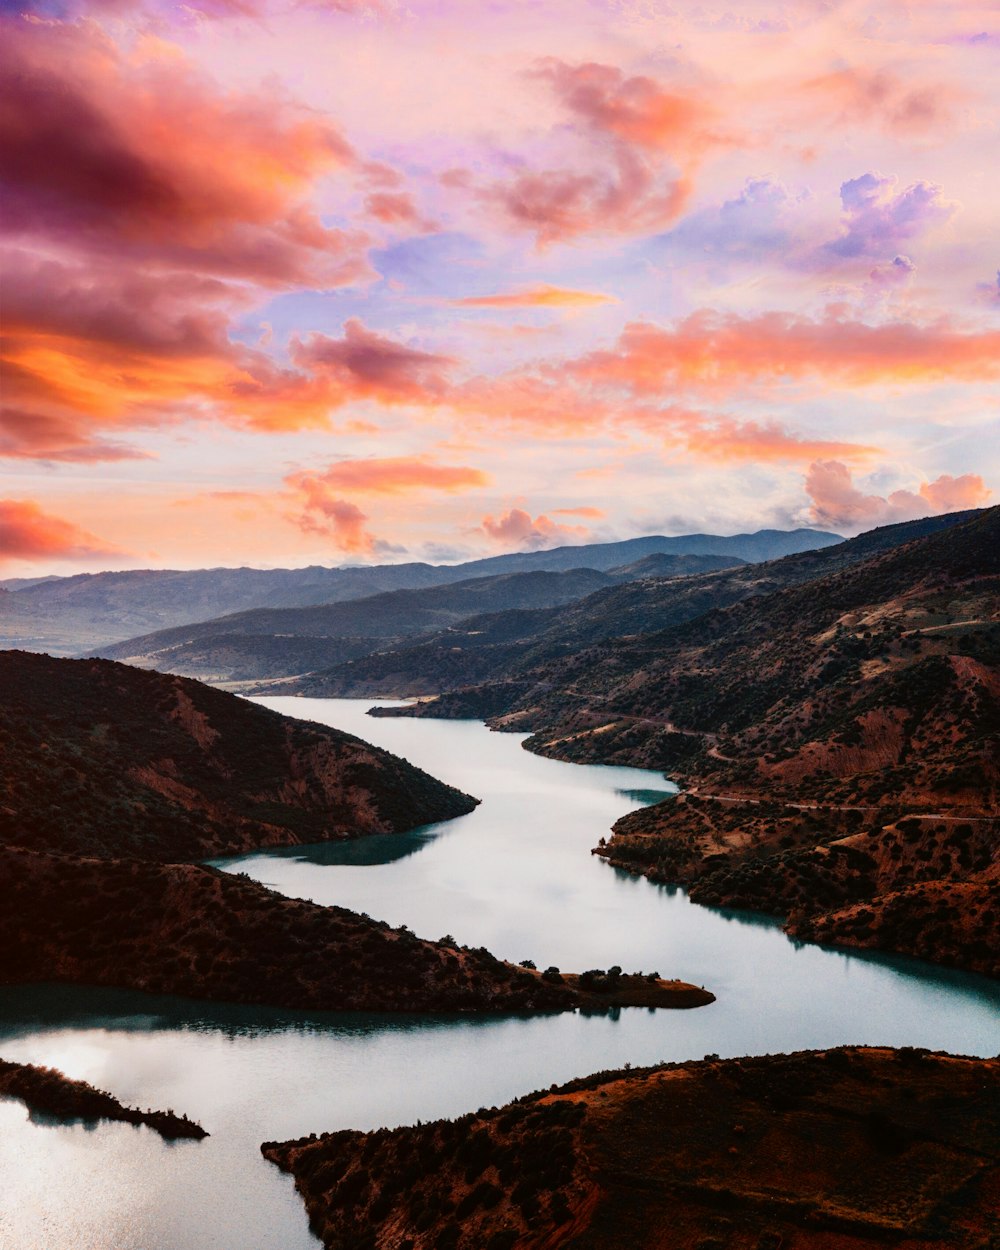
516 876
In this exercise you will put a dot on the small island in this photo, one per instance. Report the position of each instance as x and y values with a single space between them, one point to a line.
50 1092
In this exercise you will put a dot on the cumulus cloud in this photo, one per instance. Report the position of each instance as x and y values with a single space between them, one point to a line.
753 226
337 519
364 363
28 533
837 502
877 218
516 530
641 142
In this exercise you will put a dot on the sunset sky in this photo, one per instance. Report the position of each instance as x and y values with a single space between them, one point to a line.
321 281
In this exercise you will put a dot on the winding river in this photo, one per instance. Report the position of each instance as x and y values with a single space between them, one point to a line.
516 876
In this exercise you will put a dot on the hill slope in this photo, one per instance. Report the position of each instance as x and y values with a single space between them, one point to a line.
838 741
99 758
195 931
849 1149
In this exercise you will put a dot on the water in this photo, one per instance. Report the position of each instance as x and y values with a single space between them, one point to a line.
515 875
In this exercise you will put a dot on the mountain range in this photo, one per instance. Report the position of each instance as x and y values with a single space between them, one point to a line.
69 615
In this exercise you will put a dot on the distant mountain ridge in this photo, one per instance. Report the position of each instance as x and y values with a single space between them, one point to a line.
507 644
266 643
68 615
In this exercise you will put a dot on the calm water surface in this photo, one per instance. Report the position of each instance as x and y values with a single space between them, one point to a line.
515 875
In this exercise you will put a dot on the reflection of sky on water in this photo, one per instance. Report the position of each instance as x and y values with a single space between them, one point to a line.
514 875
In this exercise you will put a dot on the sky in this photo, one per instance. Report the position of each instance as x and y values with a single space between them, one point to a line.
328 281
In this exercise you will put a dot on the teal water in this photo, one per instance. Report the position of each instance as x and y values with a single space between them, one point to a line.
515 875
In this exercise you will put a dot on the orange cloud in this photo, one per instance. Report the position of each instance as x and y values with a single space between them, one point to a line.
333 518
591 513
28 533
719 351
645 142
537 297
397 475
517 531
837 502
721 439
637 110
955 494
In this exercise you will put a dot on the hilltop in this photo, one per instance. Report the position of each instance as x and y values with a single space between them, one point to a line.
97 758
846 1149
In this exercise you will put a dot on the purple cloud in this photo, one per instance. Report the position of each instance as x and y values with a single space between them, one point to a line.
876 219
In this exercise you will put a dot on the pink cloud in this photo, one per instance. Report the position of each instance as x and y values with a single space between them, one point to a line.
838 503
516 530
337 519
364 363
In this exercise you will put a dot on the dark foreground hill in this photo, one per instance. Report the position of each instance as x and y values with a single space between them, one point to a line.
98 758
68 615
838 741
849 1149
513 645
195 931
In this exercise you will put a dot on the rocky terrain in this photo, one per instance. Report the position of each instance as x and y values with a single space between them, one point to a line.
837 739
98 758
49 1092
195 931
845 1149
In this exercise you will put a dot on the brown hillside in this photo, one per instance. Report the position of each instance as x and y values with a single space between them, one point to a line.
194 931
847 1149
97 758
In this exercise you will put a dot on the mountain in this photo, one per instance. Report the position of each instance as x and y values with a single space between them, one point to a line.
761 545
821 1150
68 615
274 642
98 758
510 645
277 642
838 741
